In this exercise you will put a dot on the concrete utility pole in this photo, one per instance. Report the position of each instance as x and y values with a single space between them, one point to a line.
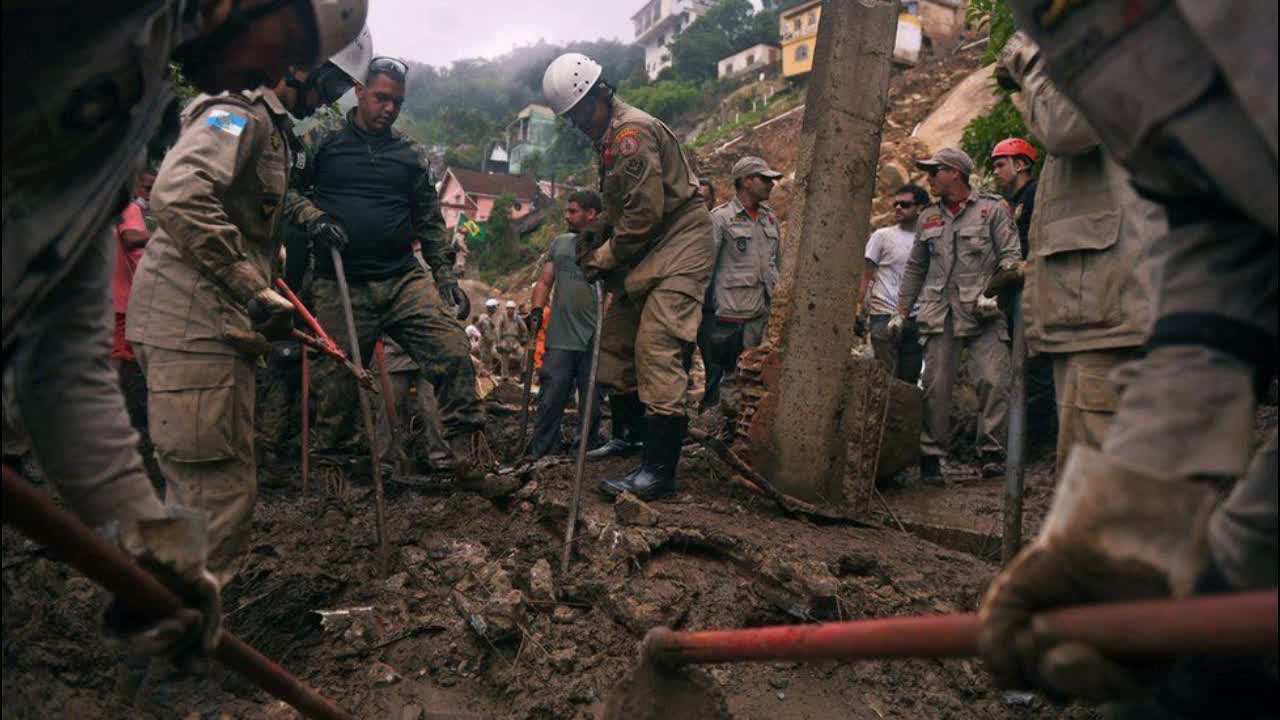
801 443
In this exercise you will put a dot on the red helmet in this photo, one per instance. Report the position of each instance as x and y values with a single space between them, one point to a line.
1012 147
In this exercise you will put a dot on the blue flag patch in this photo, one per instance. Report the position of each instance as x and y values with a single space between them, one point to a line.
227 122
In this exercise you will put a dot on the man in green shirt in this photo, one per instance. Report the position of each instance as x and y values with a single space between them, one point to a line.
567 360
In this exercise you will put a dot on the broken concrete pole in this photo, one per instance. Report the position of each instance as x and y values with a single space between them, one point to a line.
797 441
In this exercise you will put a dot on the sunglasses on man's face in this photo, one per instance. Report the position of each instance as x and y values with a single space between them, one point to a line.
396 68
903 204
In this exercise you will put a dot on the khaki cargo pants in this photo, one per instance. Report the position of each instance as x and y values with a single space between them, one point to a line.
200 411
989 367
1087 396
641 347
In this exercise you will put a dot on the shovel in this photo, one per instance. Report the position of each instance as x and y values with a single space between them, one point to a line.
584 433
521 445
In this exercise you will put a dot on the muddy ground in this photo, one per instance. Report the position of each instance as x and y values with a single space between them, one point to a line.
474 618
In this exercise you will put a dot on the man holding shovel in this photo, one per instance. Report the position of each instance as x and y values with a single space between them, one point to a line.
367 193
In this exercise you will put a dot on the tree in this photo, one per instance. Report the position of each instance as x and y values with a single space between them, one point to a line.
1004 120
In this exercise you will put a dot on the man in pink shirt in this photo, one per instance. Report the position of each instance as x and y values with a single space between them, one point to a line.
131 235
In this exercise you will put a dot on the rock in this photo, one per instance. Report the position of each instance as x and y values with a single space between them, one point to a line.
891 176
411 712
383 674
397 581
412 556
631 510
563 615
541 583
489 603
779 683
564 660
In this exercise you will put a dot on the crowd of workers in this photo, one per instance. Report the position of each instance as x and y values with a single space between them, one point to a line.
1145 256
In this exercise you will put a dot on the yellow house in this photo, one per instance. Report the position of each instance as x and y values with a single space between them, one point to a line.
799 32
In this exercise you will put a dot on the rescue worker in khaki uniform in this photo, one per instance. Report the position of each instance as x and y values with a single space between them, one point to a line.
655 253
512 335
1183 94
82 99
961 241
1087 299
748 264
219 200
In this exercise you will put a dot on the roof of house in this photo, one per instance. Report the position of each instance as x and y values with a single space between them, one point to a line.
796 10
493 185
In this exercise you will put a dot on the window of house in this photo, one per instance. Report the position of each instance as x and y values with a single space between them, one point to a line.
813 19
802 53
751 60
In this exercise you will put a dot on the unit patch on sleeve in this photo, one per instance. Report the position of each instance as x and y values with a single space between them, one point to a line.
227 122
627 141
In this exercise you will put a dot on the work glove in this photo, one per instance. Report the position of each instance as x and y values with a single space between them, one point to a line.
987 308
1113 534
535 321
271 314
326 232
895 327
1010 276
1017 57
453 294
173 549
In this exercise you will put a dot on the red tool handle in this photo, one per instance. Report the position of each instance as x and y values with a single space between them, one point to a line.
33 513
1238 623
308 318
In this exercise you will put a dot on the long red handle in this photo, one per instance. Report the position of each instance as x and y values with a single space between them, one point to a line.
33 513
308 318
1239 623
306 423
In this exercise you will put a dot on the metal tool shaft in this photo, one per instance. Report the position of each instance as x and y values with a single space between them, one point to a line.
1015 461
584 433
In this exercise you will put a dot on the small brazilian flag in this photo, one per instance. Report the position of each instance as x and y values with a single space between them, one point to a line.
473 230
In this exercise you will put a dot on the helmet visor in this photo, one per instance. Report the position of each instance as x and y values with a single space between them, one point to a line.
397 69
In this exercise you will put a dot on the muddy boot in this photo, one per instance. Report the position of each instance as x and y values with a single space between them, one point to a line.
931 471
992 465
628 427
657 474
474 462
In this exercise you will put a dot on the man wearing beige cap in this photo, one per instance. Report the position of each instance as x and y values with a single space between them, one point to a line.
961 241
749 248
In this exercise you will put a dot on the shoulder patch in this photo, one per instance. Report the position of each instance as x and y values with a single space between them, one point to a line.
231 123
635 167
627 141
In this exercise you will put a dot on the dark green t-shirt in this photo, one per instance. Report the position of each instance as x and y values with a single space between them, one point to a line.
573 306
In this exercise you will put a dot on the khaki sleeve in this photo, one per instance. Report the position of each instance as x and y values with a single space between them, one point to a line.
1004 233
215 148
1052 118
636 180
914 274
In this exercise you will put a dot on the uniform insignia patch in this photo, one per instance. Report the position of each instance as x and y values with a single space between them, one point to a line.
228 122
1017 212
634 167
933 223
985 213
275 141
627 141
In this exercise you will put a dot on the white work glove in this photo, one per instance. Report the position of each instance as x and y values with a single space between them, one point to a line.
986 308
1011 274
894 328
173 549
1113 534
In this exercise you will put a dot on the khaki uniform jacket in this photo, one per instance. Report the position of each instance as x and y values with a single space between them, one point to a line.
1087 284
658 230
218 200
748 260
952 260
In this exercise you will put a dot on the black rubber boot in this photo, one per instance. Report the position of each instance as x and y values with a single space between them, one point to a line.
931 471
628 427
657 474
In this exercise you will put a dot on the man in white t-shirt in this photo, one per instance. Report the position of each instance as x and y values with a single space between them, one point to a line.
886 256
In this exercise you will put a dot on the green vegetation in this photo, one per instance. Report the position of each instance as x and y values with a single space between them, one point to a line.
778 104
1004 120
665 99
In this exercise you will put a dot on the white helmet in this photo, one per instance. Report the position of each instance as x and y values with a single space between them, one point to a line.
354 59
491 303
511 304
568 79
338 24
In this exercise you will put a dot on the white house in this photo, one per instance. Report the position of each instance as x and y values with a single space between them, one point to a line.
657 25
754 58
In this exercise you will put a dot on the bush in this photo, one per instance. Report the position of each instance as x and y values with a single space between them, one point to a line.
666 99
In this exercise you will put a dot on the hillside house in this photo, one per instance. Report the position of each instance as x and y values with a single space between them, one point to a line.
474 193
753 59
921 22
657 25
533 131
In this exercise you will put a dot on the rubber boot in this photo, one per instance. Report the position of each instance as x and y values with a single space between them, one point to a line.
657 474
992 464
931 471
628 427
